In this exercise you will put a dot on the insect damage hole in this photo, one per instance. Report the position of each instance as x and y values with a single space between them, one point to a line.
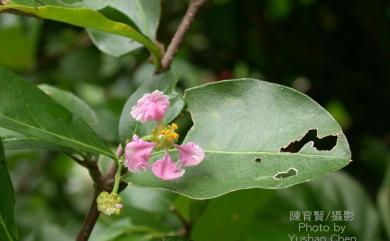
258 160
325 143
290 172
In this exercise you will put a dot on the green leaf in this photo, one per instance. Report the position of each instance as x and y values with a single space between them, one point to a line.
243 125
149 200
14 141
7 202
71 102
164 82
110 231
38 3
26 109
384 202
145 14
86 18
234 213
112 44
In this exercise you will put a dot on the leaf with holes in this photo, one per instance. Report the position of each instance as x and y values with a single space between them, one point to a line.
7 202
256 135
26 109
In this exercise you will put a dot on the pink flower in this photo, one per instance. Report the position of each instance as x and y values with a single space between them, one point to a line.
151 107
137 154
190 154
166 169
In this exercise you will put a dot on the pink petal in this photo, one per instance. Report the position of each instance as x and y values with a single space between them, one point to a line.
190 154
137 154
151 107
166 169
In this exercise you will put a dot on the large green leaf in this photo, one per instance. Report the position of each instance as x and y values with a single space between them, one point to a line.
166 82
26 109
13 141
251 132
87 18
7 202
145 14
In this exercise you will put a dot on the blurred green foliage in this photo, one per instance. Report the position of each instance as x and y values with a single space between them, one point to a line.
337 52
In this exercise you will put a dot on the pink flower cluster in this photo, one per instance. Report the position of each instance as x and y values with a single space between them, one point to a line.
152 107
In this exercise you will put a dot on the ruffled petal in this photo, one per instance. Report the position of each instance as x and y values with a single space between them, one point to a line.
151 107
137 154
166 169
190 154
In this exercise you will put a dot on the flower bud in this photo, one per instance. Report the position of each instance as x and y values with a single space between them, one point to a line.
109 203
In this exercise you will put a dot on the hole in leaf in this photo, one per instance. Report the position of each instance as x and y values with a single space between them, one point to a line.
325 143
290 172
257 159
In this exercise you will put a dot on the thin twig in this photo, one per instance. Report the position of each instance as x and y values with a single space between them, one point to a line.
178 37
187 226
101 183
90 220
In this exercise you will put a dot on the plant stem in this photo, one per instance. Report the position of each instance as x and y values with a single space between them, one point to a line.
90 220
178 37
101 183
117 177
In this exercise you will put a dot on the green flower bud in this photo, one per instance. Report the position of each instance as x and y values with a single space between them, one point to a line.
109 203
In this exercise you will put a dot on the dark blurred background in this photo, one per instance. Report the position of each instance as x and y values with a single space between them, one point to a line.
337 52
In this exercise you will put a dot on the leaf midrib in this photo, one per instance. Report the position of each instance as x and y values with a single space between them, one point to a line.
5 227
59 136
258 153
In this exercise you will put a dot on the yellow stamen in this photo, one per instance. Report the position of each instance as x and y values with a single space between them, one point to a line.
174 126
169 134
